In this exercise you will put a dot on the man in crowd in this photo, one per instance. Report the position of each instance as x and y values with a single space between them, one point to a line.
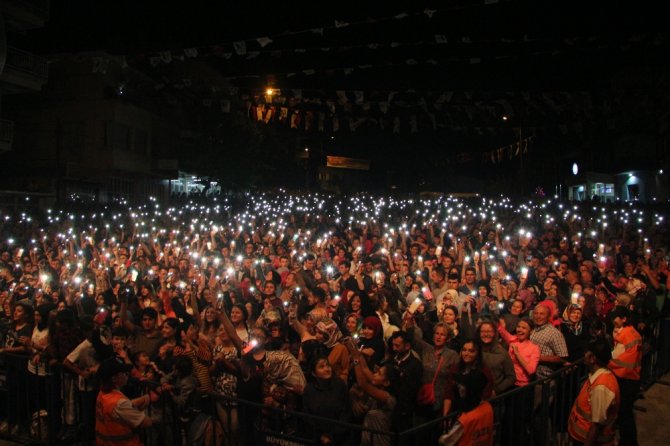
597 405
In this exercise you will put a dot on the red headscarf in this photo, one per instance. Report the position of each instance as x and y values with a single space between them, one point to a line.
551 306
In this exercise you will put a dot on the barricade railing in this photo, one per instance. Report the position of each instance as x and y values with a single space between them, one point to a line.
42 404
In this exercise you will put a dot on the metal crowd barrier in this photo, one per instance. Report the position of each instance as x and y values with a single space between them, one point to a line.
535 414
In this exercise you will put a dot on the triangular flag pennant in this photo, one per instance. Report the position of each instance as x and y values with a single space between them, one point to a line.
240 47
166 56
396 125
253 54
309 117
341 24
260 111
322 121
269 114
433 120
342 96
295 120
264 41
429 12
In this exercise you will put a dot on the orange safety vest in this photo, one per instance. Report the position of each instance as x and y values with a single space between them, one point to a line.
477 426
579 422
109 430
627 365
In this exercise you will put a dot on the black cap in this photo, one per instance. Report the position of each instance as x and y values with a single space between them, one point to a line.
111 367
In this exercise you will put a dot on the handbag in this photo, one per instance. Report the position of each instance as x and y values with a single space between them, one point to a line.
426 394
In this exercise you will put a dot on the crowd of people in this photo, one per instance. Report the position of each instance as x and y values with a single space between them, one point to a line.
374 311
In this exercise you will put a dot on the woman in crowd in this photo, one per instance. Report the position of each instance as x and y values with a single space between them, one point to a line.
371 341
327 396
352 325
210 324
524 354
575 332
470 360
171 345
437 359
329 335
516 311
450 320
225 371
495 357
239 316
379 386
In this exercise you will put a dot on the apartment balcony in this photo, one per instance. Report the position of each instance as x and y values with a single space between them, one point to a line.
24 72
6 135
22 15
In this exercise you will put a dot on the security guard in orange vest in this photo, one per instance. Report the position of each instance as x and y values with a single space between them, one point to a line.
117 417
592 417
474 427
626 364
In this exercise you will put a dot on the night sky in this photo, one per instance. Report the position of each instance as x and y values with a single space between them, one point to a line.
463 76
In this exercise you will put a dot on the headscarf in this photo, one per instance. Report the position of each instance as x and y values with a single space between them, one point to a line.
330 331
576 329
553 320
317 315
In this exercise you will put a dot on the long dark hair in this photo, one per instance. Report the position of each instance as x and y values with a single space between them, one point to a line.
479 360
44 311
174 323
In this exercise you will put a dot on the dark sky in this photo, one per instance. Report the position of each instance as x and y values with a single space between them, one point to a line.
572 71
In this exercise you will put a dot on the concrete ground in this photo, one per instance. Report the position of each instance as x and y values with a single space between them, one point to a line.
653 428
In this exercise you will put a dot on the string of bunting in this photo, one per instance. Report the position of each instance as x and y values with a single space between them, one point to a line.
508 153
253 47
